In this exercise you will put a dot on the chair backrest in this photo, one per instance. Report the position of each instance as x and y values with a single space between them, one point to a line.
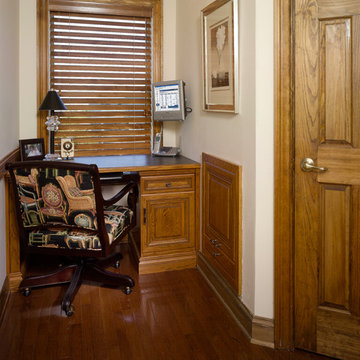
58 194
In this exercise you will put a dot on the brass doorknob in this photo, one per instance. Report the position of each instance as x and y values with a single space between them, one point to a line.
308 164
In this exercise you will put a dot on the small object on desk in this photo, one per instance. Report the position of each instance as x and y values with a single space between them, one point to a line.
51 103
32 149
67 148
168 151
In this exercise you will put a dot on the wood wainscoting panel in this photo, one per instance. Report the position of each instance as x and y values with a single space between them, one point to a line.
14 275
222 218
219 259
13 262
4 298
12 156
258 330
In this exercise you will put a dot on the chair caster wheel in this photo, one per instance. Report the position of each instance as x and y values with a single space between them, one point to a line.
127 290
27 292
117 264
70 311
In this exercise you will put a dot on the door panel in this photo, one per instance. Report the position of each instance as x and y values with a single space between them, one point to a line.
327 209
335 78
167 223
334 246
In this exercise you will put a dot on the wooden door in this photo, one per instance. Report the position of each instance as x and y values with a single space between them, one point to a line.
327 202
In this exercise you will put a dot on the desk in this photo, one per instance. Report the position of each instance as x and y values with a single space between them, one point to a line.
138 163
169 223
168 234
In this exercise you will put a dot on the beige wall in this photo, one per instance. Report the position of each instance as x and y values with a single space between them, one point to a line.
9 100
245 138
264 221
27 67
170 128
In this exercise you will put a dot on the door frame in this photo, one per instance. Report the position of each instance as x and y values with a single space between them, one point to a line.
284 201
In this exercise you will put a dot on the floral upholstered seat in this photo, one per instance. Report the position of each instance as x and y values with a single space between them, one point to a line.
61 211
117 219
67 200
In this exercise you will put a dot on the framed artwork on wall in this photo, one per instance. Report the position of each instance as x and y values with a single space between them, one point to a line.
32 149
220 40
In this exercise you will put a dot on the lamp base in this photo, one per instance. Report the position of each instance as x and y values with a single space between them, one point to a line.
52 157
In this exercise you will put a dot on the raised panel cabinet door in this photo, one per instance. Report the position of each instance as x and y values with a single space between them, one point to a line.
327 196
168 223
221 218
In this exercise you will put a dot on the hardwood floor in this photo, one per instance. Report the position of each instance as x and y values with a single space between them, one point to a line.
172 315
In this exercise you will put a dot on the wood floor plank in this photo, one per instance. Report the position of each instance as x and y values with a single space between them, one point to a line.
168 316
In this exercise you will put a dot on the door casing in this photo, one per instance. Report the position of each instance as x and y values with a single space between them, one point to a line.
284 176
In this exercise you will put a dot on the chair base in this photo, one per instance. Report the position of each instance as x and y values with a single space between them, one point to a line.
84 270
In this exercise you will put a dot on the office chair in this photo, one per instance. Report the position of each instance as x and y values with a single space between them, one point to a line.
61 212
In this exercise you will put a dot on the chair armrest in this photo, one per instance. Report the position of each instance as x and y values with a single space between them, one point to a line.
87 192
121 193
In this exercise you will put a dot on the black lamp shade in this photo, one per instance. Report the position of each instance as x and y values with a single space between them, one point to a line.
52 101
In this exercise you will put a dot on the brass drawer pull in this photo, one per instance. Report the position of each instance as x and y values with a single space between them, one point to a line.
216 254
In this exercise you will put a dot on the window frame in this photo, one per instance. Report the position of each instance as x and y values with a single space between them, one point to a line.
115 7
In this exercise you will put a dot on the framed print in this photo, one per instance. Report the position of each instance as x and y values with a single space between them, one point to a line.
32 149
220 56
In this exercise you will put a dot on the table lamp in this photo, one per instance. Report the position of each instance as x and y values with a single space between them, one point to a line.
52 102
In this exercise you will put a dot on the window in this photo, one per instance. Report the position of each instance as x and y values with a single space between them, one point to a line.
101 64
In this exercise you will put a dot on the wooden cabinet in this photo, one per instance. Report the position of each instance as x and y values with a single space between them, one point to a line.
168 223
168 235
221 218
169 220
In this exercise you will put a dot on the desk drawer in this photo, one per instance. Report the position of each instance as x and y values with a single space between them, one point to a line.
164 183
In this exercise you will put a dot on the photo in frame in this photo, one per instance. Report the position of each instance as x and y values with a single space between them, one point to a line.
220 56
32 149
67 148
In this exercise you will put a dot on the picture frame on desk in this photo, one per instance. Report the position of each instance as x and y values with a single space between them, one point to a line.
220 38
67 148
32 149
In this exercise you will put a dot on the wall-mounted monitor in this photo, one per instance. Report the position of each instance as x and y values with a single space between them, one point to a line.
168 100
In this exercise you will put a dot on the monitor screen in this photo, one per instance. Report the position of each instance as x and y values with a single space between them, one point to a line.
167 97
168 100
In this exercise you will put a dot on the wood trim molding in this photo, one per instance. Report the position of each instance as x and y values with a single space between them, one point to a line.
157 55
13 262
42 66
4 299
284 177
258 330
262 331
100 7
12 156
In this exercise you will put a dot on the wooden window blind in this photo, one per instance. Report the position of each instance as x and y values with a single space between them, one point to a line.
101 66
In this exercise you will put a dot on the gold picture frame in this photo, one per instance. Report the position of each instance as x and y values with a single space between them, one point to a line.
220 39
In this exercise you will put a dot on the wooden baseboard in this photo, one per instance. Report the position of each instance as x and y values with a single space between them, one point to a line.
258 330
4 299
263 331
13 280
